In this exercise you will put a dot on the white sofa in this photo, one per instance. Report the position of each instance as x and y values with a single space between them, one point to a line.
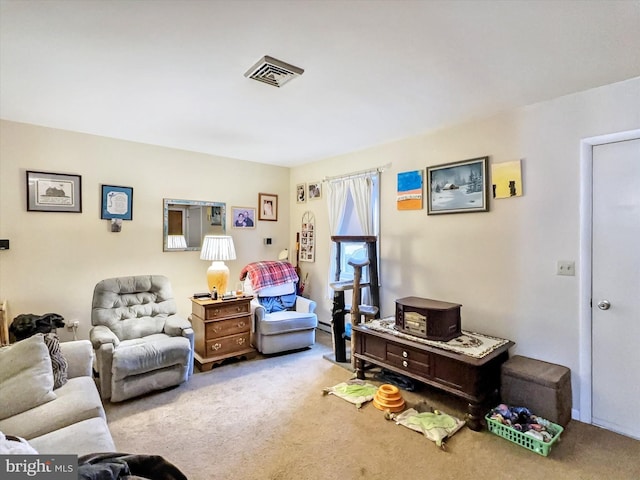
66 420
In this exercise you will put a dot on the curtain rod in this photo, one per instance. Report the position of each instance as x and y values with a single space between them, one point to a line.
357 174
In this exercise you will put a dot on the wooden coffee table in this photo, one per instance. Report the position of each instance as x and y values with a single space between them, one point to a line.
476 380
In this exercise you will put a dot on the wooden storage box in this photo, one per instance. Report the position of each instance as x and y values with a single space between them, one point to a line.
426 318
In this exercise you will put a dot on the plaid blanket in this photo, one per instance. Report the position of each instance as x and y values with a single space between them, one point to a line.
269 274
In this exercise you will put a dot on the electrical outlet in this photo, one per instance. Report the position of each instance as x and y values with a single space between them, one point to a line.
566 267
73 325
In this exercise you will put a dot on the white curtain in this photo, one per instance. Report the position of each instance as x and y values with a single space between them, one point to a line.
336 201
360 188
361 192
337 191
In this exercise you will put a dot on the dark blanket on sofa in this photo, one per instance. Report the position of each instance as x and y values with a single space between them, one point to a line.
124 466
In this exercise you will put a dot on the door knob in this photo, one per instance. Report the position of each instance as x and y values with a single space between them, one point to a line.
604 305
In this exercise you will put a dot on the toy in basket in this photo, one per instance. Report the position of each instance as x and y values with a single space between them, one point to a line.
519 425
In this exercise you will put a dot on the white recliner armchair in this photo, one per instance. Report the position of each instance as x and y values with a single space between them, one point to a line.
282 320
140 343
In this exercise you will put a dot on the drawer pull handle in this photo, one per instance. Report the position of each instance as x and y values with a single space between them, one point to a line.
216 346
217 329
405 363
405 354
240 341
241 324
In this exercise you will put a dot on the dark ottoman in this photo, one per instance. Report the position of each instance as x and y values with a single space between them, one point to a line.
542 387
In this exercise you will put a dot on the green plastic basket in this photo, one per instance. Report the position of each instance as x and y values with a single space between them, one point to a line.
530 443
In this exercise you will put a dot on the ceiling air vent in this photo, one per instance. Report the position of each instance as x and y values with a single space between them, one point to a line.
273 71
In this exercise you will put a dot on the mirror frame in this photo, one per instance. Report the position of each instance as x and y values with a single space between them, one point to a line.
167 202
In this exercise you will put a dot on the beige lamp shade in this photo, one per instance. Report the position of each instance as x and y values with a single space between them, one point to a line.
218 248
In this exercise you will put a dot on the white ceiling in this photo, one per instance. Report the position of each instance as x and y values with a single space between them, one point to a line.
171 73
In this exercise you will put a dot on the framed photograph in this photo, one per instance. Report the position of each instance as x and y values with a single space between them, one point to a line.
117 203
268 207
315 190
243 217
458 187
216 216
54 192
301 192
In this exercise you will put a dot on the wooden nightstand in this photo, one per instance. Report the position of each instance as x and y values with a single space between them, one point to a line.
222 330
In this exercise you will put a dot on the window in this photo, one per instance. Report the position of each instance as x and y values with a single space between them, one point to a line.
353 221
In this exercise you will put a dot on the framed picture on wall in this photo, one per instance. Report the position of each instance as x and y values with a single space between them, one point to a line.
117 203
458 187
268 207
301 193
54 192
315 190
243 217
216 216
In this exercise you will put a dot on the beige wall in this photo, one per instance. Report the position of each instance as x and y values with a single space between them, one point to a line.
500 265
56 259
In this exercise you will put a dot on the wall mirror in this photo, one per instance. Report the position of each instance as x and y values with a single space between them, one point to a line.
186 222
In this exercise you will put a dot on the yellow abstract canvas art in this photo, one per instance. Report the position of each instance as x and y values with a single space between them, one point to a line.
507 179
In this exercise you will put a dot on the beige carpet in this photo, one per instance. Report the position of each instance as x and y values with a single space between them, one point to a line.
266 419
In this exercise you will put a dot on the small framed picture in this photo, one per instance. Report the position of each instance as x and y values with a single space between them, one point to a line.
315 191
268 207
243 217
54 192
117 203
301 193
216 216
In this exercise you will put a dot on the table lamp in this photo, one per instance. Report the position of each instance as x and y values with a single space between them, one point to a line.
176 242
218 248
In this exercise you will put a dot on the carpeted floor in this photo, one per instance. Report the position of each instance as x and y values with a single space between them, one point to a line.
266 419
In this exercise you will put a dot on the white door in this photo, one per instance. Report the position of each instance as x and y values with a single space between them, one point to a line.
616 287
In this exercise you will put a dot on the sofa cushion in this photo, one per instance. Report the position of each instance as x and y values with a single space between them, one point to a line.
142 355
287 321
77 400
82 438
26 377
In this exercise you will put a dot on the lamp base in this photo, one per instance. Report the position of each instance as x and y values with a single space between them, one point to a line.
218 276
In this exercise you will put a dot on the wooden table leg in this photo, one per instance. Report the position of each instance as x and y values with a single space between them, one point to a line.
475 416
359 367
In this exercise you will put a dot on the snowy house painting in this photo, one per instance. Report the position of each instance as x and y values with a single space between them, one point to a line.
458 187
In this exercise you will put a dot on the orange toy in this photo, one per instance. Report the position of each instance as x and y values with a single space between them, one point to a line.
388 398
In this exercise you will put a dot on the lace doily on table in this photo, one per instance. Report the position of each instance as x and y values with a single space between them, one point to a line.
473 344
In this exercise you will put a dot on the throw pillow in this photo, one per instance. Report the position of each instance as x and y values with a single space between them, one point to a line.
58 362
26 376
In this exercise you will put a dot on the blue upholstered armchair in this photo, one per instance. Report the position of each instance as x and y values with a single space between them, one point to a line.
140 343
